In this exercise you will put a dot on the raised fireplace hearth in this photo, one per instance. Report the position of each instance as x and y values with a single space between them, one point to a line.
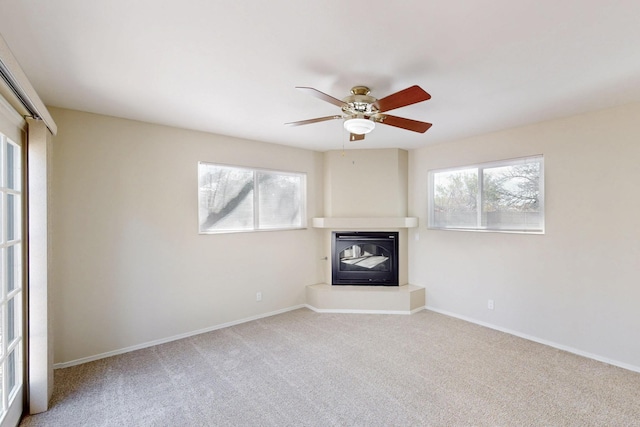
367 258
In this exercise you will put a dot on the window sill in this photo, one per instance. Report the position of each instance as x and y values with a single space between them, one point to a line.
485 230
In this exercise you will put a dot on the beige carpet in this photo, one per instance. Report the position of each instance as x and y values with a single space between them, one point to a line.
307 369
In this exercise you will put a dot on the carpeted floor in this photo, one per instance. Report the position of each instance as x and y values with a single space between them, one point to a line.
302 368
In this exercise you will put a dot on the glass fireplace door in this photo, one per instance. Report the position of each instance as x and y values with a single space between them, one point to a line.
365 258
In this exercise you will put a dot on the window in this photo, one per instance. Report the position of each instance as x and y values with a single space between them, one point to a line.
498 196
240 199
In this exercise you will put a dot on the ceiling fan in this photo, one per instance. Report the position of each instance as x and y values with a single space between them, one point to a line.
361 111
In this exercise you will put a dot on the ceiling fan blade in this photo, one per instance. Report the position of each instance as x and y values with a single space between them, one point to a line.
408 96
356 137
402 123
321 95
308 122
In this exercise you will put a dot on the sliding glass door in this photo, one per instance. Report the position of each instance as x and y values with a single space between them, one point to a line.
11 279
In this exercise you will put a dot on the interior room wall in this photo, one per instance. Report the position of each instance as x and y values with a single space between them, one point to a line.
129 266
576 286
366 183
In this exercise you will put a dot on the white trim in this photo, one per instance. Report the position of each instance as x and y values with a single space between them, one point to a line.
491 164
170 339
256 199
539 340
18 82
14 118
11 417
352 311
12 125
339 311
480 168
359 223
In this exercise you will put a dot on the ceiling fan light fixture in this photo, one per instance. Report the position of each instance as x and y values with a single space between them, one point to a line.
359 126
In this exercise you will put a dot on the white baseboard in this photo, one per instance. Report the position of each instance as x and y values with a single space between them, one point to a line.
539 340
350 311
273 313
173 338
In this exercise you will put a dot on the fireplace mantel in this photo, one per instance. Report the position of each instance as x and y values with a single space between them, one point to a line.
370 222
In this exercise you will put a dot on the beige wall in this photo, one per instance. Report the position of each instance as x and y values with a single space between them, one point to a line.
129 266
578 285
366 183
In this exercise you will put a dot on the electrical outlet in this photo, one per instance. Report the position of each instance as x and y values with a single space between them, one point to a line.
490 304
258 296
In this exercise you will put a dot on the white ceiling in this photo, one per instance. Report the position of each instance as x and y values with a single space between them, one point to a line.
230 67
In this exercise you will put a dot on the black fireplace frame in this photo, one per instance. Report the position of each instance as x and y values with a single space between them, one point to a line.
385 239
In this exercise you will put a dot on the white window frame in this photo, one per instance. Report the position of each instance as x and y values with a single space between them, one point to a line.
12 381
256 200
480 167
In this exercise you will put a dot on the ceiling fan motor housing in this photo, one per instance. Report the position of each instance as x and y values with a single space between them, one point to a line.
359 102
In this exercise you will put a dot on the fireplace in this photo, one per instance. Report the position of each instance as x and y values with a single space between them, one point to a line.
364 258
